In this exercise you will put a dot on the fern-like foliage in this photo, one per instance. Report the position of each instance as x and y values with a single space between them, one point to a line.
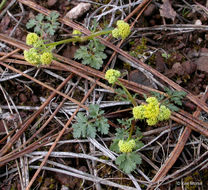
88 126
92 54
44 24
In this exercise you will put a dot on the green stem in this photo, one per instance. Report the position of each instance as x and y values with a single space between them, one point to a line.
127 93
80 39
2 4
131 129
134 104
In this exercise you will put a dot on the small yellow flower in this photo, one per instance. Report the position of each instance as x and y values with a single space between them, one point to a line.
76 33
32 38
152 100
164 113
112 75
46 58
115 33
138 112
122 30
126 146
152 121
152 111
32 56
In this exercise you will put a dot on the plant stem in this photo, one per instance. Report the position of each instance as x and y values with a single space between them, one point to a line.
127 93
131 129
80 39
134 104
2 4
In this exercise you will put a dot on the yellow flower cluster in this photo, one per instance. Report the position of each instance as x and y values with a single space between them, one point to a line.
76 32
152 111
112 75
31 39
32 56
122 30
164 113
126 146
39 54
46 58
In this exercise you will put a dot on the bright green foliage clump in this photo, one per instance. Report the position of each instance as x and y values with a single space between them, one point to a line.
122 30
46 58
92 54
44 24
87 126
32 38
152 111
112 75
126 146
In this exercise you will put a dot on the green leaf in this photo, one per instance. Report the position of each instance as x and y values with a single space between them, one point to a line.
114 146
128 161
81 118
121 134
51 30
39 17
81 52
125 122
180 94
31 23
53 16
138 133
79 130
139 144
92 54
37 29
91 131
94 110
102 125
121 158
168 91
135 158
172 107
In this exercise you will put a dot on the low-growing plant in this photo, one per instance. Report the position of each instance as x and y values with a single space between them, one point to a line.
89 125
173 99
44 24
92 54
157 108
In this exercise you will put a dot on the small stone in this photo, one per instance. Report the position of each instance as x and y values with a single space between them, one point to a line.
138 77
178 69
198 22
150 10
78 11
51 3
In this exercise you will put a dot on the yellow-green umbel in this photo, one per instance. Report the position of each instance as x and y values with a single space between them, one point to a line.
126 146
123 30
32 38
112 75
